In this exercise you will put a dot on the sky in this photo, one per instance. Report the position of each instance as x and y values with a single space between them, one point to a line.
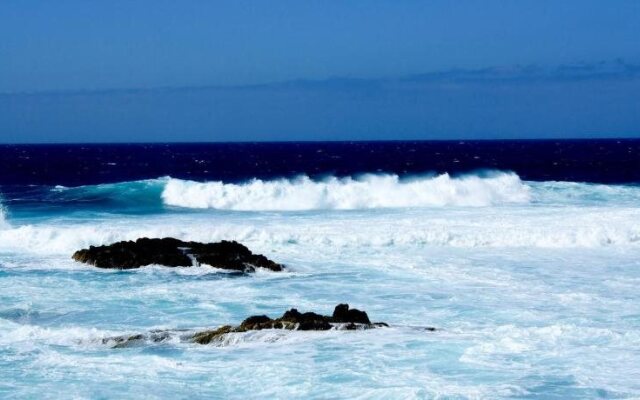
99 71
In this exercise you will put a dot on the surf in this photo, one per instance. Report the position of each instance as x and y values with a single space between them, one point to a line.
365 192
302 193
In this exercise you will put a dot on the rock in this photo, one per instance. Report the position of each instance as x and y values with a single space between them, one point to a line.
255 322
308 321
347 319
120 342
342 313
174 253
207 337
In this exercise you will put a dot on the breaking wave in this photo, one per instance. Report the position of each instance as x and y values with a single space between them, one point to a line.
366 192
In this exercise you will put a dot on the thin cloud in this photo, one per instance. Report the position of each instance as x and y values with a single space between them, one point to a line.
604 70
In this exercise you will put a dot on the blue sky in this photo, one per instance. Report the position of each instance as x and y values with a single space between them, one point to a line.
317 70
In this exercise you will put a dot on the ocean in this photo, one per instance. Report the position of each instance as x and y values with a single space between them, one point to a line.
524 255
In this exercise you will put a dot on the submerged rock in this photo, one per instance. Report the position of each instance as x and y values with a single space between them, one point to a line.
343 318
119 342
172 252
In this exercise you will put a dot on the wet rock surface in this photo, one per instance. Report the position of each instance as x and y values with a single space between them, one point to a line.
343 318
118 342
170 252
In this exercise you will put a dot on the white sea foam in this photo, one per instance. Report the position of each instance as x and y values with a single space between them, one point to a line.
366 192
462 228
30 336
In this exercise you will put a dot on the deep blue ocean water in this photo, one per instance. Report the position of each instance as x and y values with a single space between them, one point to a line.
602 161
524 254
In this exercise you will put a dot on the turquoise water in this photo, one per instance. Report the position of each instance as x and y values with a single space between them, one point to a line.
533 288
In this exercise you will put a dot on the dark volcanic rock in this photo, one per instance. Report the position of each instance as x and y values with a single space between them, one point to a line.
349 319
342 313
308 321
174 253
206 337
255 322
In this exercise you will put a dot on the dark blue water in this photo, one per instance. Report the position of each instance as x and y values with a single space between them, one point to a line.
602 161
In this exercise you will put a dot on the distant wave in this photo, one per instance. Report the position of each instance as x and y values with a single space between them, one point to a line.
366 192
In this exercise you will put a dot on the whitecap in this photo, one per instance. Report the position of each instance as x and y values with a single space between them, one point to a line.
365 192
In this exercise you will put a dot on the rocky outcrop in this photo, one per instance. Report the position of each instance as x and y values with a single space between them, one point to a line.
343 318
172 252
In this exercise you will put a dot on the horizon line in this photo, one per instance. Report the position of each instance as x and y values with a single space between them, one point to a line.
584 139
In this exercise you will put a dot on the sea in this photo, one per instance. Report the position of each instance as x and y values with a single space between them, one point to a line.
524 255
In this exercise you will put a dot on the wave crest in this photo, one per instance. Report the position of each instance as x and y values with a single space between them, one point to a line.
366 192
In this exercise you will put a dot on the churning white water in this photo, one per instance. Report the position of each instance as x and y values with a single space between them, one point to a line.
366 192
